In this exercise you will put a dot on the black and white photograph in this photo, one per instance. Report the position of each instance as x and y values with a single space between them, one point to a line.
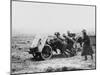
52 37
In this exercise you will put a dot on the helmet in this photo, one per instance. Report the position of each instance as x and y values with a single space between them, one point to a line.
57 34
84 30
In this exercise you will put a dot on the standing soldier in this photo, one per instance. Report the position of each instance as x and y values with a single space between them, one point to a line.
87 49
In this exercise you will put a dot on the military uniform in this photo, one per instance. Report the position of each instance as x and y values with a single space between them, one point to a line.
87 49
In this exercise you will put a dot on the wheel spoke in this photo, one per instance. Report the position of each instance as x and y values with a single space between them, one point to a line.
47 52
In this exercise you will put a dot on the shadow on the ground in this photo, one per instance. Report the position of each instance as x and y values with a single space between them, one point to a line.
53 57
50 69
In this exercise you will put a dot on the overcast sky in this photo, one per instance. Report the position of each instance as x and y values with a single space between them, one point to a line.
31 18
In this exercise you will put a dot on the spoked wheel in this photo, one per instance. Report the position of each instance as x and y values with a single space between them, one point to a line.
46 52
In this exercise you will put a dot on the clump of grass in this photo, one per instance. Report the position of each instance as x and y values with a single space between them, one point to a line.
21 42
13 70
58 70
50 69
28 41
15 57
61 69
20 48
64 68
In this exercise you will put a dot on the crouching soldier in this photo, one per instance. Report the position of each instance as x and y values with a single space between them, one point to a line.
70 45
87 49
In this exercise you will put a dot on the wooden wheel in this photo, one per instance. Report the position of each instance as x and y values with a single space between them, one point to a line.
46 52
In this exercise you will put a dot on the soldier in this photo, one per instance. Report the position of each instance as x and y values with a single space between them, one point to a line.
70 45
69 42
60 43
87 49
69 34
57 34
79 40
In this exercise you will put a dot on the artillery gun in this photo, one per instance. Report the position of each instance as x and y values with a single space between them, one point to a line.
43 47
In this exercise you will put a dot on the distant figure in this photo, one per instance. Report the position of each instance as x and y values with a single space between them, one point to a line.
87 49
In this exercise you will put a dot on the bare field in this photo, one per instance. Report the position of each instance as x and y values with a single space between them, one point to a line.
22 62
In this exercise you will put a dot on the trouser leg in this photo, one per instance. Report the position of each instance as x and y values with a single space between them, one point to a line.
91 56
85 57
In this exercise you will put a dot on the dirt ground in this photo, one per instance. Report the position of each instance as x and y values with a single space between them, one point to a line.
22 62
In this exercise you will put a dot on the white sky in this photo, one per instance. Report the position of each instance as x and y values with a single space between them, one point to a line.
31 18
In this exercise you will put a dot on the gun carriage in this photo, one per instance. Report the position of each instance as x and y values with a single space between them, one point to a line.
42 48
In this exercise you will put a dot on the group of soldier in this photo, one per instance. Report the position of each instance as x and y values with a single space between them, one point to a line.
70 40
69 44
